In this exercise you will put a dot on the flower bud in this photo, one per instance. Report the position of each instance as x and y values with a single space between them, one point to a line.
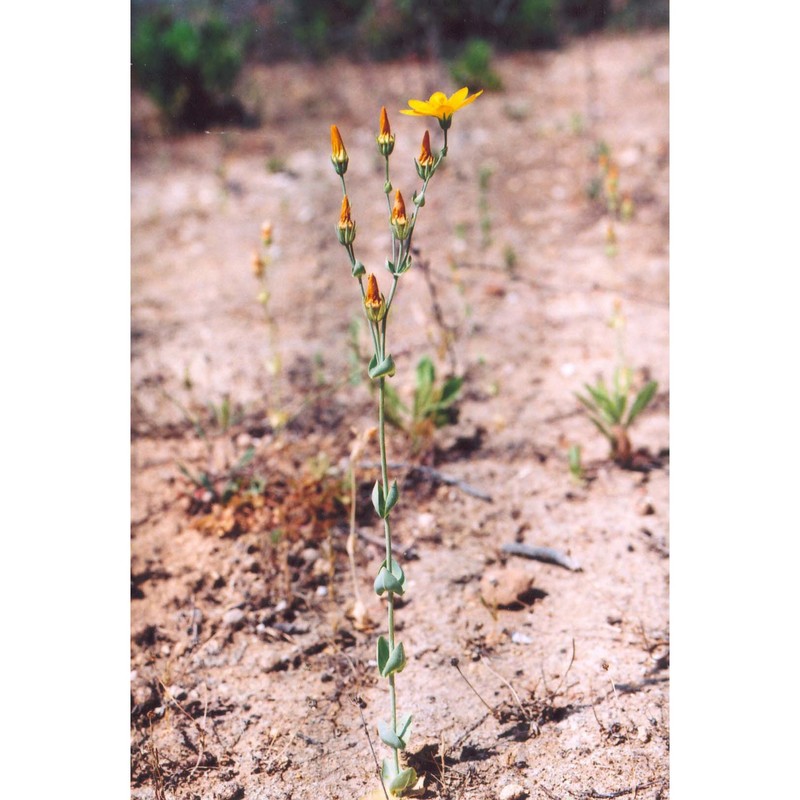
426 163
611 241
346 229
617 320
626 207
385 138
266 233
257 264
612 181
400 222
374 301
338 153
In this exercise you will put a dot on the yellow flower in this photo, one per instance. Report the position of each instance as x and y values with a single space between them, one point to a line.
346 229
338 152
385 138
441 106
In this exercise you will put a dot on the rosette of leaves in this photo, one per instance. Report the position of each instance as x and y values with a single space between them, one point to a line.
611 412
434 405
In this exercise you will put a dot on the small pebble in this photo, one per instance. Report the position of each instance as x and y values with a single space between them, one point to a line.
513 791
426 522
229 791
502 586
177 692
521 638
646 508
233 618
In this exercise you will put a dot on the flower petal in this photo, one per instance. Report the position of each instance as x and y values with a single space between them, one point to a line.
437 99
471 98
457 98
421 107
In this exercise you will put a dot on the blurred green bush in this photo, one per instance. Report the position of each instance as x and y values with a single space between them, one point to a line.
189 68
473 67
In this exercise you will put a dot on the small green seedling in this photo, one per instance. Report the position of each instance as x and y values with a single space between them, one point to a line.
575 465
610 412
231 481
433 406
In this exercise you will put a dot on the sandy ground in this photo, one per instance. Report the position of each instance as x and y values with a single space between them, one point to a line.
251 678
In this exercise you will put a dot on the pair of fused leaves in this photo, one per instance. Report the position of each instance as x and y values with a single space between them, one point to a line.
390 661
394 781
384 503
385 368
399 269
395 737
390 580
358 269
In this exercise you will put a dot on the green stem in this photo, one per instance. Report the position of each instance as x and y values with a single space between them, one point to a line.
388 534
388 199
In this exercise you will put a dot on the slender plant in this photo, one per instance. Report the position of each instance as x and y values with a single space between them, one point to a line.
391 581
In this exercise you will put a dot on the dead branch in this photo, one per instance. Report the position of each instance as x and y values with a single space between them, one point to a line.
549 555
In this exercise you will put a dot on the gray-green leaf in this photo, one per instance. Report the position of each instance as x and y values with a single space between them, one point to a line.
385 368
397 661
389 737
642 400
404 779
383 653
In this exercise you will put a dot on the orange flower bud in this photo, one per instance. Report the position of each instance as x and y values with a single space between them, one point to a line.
374 301
257 264
346 229
426 163
399 220
612 179
399 209
338 153
266 232
385 138
425 156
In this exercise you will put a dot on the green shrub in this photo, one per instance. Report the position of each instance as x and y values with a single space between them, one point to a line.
582 16
532 23
473 67
189 69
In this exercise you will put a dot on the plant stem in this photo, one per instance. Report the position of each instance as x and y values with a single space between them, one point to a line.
388 534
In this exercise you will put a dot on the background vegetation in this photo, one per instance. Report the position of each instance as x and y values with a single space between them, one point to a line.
187 54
